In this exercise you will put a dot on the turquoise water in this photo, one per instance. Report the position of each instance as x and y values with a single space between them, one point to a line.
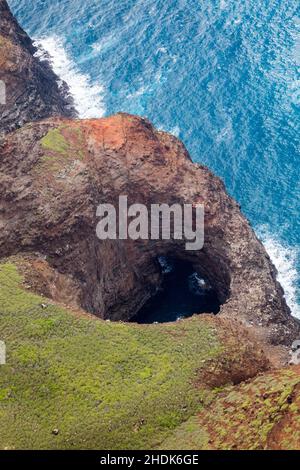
221 75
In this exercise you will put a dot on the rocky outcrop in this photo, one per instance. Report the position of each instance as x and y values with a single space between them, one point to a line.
33 91
55 173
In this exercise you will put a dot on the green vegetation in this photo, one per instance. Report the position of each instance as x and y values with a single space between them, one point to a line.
76 382
61 146
260 414
101 384
56 142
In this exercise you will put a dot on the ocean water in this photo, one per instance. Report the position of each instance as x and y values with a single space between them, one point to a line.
182 294
223 76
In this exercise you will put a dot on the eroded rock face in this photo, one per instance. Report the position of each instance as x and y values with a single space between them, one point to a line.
55 173
32 90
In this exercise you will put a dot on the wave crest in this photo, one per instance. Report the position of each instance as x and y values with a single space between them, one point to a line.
285 260
88 97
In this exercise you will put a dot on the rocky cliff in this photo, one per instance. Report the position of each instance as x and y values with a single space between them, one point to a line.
55 173
33 91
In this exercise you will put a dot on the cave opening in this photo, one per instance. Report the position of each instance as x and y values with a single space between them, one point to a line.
183 293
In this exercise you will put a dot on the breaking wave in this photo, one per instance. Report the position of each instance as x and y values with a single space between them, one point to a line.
88 97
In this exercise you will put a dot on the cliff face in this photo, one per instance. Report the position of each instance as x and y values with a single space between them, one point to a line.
32 90
54 175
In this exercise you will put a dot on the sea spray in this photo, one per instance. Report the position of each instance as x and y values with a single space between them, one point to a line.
88 97
285 260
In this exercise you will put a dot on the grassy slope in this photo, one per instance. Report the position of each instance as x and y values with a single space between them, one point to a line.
103 385
125 386
261 414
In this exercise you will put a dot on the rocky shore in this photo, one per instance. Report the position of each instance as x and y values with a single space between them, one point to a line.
33 91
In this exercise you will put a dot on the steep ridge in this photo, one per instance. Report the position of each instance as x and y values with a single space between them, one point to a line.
33 91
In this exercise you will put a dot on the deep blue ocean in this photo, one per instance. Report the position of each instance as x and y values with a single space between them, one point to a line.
222 75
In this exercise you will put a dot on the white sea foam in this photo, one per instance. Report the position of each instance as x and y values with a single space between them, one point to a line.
166 265
285 260
97 46
88 97
139 92
223 4
174 130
